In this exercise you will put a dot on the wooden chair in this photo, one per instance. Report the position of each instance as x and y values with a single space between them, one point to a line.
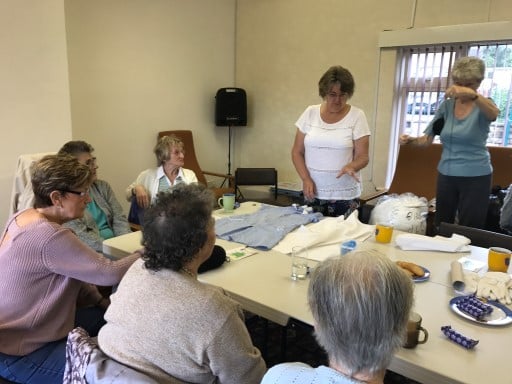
478 237
416 172
192 163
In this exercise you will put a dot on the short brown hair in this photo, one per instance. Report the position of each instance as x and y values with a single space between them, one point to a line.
336 75
57 173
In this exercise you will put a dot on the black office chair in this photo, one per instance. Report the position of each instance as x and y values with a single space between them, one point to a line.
478 237
255 176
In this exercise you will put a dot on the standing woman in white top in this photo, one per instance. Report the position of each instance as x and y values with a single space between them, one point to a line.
170 154
331 146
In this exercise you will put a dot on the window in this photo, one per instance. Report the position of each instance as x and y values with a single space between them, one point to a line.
425 74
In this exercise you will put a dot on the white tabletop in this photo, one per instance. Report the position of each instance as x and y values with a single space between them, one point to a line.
262 285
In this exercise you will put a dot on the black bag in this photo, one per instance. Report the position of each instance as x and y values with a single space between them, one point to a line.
217 258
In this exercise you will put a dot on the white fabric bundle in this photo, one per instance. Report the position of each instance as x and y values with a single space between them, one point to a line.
414 242
492 285
328 231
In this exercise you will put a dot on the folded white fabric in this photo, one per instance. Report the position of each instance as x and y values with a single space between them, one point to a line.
330 230
495 286
414 242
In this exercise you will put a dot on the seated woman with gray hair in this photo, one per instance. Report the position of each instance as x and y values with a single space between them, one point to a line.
170 155
162 321
360 303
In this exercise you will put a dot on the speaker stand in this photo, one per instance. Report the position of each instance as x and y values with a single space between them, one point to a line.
228 176
229 150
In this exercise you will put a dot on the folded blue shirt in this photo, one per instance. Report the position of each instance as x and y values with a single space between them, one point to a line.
264 228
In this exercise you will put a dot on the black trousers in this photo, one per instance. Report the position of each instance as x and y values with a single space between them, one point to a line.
464 197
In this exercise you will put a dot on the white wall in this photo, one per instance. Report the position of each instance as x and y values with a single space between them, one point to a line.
34 87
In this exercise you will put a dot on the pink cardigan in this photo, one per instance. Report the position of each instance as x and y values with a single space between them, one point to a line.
44 270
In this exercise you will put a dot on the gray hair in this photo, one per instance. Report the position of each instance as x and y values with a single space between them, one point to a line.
468 69
176 226
57 173
336 75
164 145
360 303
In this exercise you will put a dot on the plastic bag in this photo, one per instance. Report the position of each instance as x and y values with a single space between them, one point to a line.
406 212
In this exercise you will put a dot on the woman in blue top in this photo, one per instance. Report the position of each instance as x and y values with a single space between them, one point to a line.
462 122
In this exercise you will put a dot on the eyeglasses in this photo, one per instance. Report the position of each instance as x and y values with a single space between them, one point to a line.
81 194
468 84
90 163
334 95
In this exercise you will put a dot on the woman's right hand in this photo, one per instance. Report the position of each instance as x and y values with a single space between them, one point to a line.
308 188
141 195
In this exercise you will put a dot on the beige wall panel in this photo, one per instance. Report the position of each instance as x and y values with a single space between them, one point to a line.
501 10
284 46
139 67
34 91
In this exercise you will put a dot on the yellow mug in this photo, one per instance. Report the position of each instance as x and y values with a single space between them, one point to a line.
383 233
498 259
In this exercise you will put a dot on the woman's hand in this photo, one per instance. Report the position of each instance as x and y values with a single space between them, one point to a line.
308 188
141 195
404 139
347 170
460 92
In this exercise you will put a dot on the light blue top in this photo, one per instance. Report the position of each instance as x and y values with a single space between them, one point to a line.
464 142
264 228
299 373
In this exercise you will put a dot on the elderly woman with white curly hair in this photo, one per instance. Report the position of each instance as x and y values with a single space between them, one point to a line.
360 303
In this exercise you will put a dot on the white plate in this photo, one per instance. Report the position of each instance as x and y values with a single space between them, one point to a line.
425 277
501 315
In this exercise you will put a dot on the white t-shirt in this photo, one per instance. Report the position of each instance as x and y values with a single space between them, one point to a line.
328 148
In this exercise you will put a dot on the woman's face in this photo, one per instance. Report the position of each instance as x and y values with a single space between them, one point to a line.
87 159
473 84
176 157
73 203
335 99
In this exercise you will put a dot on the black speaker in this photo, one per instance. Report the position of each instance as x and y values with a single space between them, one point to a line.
230 107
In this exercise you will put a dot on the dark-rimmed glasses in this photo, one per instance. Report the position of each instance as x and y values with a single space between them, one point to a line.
81 194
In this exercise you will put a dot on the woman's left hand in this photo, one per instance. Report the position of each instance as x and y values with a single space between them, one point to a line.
460 92
346 170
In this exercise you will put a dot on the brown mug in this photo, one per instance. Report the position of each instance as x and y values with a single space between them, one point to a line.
414 328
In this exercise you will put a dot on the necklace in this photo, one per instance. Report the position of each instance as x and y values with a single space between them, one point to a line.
188 272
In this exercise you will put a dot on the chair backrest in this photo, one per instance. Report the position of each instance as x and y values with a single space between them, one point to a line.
416 169
256 176
87 364
190 157
22 196
478 237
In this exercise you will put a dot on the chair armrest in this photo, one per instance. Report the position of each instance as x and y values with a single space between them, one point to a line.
373 195
229 178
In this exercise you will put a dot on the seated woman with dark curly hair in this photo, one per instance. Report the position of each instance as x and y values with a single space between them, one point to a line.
162 321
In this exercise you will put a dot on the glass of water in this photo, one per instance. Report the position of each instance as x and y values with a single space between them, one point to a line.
299 263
